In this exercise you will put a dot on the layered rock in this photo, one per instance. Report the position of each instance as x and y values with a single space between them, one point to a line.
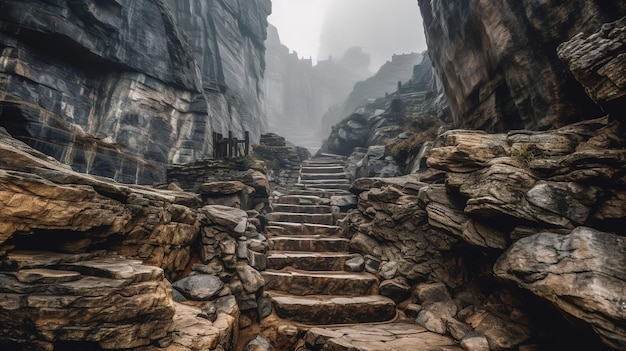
54 298
117 90
598 62
500 191
47 206
581 273
498 62
385 81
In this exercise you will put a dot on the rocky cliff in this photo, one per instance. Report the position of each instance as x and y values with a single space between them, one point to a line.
385 81
121 89
498 61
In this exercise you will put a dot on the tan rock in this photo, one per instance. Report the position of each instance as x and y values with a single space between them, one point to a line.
582 273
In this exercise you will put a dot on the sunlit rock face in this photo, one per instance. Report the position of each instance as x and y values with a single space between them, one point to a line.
499 63
117 89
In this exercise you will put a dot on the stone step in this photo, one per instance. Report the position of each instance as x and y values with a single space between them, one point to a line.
325 181
320 162
316 218
303 283
319 310
331 187
323 176
303 200
310 261
323 193
312 243
312 209
297 229
324 169
380 336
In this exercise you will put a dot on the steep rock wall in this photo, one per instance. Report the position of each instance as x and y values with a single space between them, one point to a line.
115 89
499 64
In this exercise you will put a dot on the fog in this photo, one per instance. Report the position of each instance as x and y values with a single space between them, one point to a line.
380 27
323 28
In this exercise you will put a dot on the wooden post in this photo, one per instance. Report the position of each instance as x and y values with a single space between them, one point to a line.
215 145
247 141
230 145
235 147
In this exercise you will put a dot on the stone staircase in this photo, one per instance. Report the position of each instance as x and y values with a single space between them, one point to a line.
306 274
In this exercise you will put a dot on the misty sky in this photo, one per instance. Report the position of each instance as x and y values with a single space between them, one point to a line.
330 27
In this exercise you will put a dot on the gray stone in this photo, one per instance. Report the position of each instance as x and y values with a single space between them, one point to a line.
396 289
258 344
388 270
475 343
199 287
264 307
430 292
355 264
232 219
250 278
372 264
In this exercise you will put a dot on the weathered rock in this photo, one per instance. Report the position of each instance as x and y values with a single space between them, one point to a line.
258 344
489 70
192 332
156 226
391 336
396 289
434 316
501 332
250 278
355 264
581 273
475 343
430 292
232 219
97 300
199 287
598 62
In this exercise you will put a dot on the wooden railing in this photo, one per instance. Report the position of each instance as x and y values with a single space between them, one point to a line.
230 147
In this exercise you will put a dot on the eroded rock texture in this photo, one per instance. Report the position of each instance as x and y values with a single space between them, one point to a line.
118 89
522 191
582 273
52 298
498 61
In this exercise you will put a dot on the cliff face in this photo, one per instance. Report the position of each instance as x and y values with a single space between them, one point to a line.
115 88
499 64
386 80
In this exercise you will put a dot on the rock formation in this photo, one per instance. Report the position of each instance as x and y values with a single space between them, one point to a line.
97 255
384 81
119 90
498 61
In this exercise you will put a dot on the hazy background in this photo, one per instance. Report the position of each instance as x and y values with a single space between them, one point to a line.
322 28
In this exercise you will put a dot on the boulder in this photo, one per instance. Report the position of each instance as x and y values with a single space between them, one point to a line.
200 287
83 298
581 273
598 62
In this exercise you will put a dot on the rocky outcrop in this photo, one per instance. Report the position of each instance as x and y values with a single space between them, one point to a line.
524 192
598 62
498 62
119 91
46 206
95 255
385 81
53 298
581 273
